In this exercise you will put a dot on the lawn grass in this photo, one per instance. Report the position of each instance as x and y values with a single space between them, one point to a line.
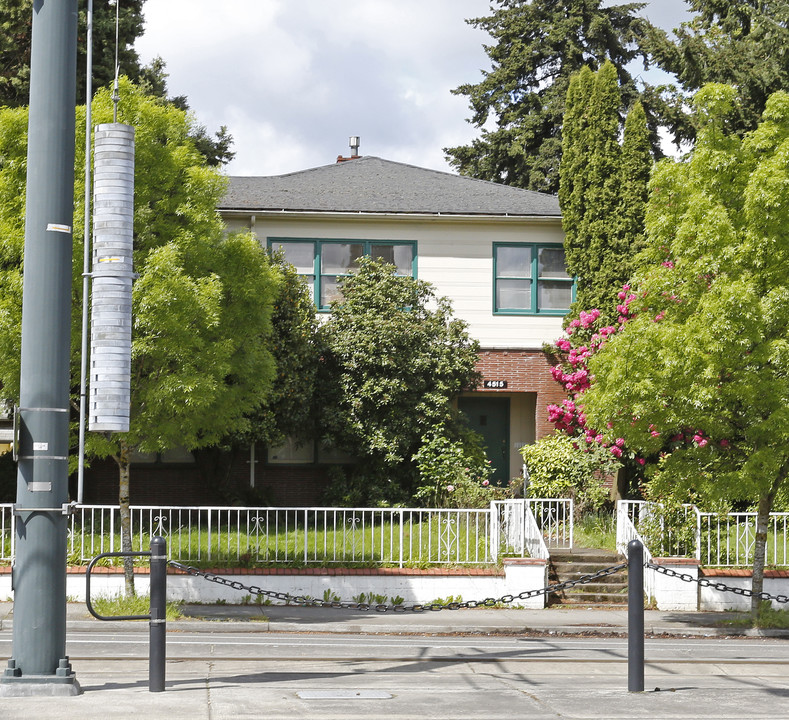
596 530
463 541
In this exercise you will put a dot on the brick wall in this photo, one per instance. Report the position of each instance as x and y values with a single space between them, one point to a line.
524 371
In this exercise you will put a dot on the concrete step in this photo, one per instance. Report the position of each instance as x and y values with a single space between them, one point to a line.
617 587
581 568
593 598
605 591
586 555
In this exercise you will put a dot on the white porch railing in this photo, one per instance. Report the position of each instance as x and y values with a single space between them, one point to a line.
319 535
628 514
530 527
554 518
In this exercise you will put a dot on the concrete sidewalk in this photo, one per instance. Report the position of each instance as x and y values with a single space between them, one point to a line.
549 621
338 685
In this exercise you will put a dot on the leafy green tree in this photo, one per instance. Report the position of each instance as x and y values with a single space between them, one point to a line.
289 409
202 304
698 374
395 358
603 188
537 46
634 171
739 42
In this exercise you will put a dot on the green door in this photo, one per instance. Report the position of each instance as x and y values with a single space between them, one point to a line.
490 417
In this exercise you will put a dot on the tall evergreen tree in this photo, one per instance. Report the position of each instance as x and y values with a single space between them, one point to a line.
16 17
537 47
603 188
740 42
634 175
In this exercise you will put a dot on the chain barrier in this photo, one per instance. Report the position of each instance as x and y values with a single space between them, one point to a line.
307 601
721 587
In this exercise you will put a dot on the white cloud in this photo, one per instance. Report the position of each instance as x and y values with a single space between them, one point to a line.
292 79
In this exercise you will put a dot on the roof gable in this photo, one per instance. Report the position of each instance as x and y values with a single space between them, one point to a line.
372 185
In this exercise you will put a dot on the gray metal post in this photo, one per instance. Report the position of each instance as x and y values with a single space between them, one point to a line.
635 616
39 664
158 627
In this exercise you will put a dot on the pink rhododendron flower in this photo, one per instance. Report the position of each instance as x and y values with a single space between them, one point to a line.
616 451
450 488
485 483
641 461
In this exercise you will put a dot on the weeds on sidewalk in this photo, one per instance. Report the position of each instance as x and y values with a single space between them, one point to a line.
767 619
137 605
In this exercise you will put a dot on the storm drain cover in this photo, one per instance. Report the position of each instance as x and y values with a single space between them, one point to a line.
343 695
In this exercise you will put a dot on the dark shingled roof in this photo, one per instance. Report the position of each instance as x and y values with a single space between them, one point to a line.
371 185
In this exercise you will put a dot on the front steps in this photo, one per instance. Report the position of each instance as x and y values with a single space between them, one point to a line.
607 591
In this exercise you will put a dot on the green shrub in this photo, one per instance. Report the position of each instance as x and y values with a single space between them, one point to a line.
453 473
557 468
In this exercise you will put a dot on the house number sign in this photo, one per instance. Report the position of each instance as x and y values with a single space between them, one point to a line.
495 384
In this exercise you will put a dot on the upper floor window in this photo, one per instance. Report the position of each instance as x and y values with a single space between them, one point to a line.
324 263
530 279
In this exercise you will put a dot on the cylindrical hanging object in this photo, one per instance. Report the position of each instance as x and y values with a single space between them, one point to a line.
112 273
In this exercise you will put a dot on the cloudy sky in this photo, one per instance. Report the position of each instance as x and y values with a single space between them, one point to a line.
293 79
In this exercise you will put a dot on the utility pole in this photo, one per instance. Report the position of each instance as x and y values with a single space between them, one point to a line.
39 665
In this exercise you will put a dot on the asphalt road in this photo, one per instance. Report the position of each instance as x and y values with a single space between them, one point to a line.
217 675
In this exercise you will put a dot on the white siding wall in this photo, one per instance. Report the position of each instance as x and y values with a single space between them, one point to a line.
455 255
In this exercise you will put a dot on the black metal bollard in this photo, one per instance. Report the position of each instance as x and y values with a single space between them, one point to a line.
158 622
635 616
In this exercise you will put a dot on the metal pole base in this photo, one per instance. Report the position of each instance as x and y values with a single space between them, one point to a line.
62 684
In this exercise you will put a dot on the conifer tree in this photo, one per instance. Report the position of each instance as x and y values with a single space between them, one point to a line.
536 47
603 188
634 174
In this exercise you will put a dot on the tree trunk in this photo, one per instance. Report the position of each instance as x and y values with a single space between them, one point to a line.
123 460
760 550
760 544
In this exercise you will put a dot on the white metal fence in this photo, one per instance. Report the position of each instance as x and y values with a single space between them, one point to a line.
318 535
714 539
629 514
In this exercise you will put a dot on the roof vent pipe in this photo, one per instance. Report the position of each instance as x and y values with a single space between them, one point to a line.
353 141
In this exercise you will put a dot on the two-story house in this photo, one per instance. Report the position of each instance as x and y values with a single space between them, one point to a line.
494 250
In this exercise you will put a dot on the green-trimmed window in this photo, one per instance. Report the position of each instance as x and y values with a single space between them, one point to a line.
530 279
323 263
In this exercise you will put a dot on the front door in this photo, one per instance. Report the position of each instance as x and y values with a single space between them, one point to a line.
490 417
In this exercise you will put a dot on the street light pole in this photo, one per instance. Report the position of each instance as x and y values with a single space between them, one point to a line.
39 665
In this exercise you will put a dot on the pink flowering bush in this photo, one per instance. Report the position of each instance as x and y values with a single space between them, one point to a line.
584 339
